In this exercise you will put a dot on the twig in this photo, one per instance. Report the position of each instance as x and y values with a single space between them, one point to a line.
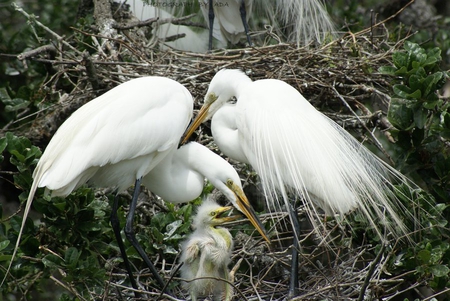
91 71
68 288
32 18
31 53
136 24
369 274
375 140
385 20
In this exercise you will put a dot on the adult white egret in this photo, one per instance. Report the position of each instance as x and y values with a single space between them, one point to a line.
194 41
230 16
296 149
304 21
121 136
300 21
206 253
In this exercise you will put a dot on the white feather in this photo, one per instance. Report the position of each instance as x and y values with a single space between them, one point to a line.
227 18
297 150
305 21
179 177
126 123
127 133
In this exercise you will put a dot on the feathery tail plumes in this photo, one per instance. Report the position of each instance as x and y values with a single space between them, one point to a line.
305 21
25 215
328 168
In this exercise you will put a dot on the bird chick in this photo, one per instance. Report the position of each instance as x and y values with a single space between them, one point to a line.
207 252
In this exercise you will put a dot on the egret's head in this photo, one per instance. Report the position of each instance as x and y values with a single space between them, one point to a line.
222 89
236 195
211 214
225 178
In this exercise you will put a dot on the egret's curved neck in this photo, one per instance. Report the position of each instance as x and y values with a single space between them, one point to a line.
226 134
179 178
174 179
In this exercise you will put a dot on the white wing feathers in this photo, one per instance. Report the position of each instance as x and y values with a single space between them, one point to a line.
294 147
122 124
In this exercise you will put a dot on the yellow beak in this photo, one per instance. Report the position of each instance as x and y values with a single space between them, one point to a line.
196 123
218 220
245 207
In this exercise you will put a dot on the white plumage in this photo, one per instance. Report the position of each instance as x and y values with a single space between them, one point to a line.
128 133
228 24
296 21
116 138
296 149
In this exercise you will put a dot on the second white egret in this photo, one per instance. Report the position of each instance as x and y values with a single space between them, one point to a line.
297 150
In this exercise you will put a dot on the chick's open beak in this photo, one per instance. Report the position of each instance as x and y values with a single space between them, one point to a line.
196 123
222 217
245 207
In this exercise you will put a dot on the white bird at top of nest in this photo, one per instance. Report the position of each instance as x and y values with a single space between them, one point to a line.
300 21
206 253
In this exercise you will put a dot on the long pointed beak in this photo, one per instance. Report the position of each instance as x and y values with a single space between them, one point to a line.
221 220
196 123
245 207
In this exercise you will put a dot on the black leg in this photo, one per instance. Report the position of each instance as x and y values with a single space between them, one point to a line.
211 23
116 229
129 233
293 284
244 21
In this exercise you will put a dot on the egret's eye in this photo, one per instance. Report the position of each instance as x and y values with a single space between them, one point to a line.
229 183
212 213
232 100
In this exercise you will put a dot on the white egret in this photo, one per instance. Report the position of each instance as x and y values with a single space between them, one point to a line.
195 41
230 16
206 253
296 149
304 21
121 136
300 21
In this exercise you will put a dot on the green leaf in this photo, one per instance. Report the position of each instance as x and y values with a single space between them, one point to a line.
172 227
71 257
3 144
417 137
406 92
424 256
52 261
433 57
420 118
402 71
16 104
400 115
388 70
430 83
4 95
415 82
439 270
431 105
4 244
400 59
